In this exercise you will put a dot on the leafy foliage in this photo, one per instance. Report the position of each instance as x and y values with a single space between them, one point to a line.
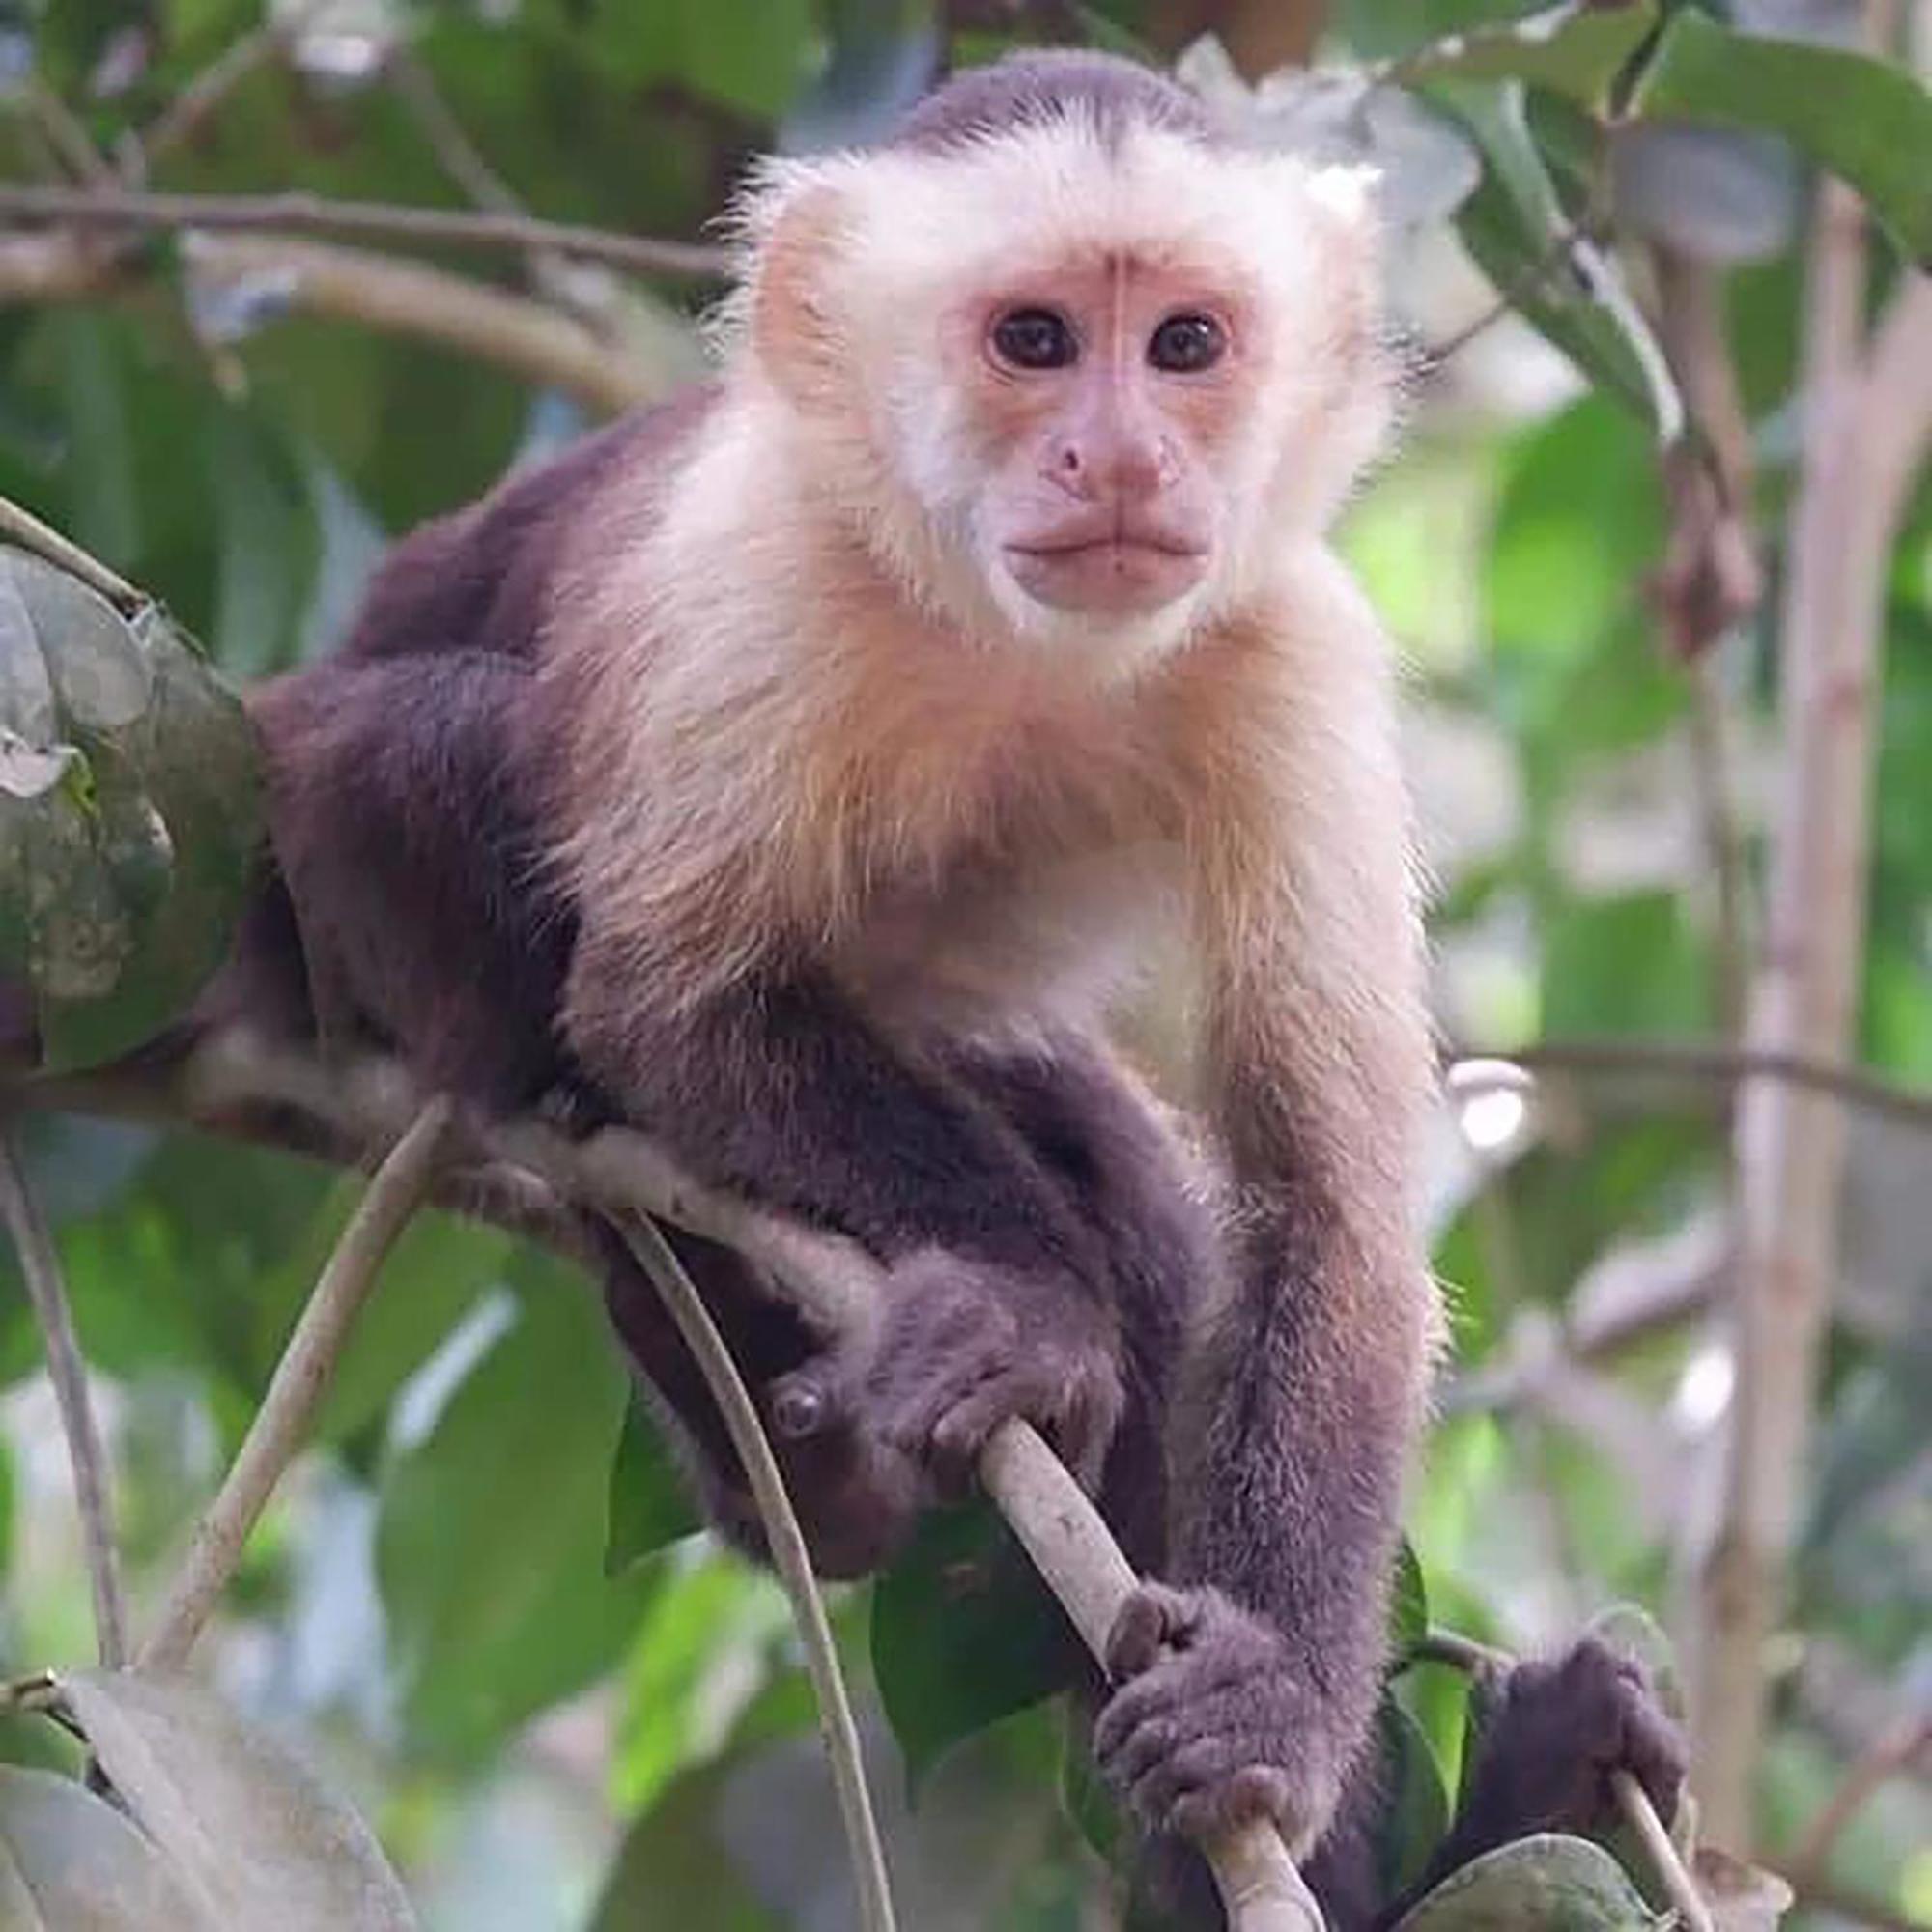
127 814
495 1563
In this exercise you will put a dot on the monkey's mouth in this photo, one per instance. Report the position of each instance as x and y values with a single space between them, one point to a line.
1114 575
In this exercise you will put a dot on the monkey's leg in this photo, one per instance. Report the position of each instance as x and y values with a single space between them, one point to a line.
996 1300
409 856
1148 1204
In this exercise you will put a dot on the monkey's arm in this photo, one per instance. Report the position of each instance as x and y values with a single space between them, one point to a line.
782 1088
1256 1693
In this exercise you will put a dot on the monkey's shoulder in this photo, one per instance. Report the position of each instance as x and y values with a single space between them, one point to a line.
480 578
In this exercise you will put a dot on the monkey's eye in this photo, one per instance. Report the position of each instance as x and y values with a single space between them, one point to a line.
1184 344
1034 338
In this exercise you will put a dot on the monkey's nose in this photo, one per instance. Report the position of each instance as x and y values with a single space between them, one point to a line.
1119 468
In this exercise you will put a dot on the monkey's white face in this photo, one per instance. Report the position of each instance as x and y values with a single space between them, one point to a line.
1096 398
1074 390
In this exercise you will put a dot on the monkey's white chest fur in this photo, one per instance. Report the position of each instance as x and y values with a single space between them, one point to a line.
1001 952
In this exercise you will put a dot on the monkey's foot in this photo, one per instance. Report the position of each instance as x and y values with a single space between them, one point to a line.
962 1348
1546 1757
1213 1724
857 1498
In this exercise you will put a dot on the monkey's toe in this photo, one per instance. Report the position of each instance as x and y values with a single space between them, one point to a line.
966 1347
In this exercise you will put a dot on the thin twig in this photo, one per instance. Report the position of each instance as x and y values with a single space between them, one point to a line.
22 527
1707 1062
234 1085
1077 1557
459 157
299 213
297 1389
39 1264
1855 1908
1724 842
793 1562
72 145
1898 1747
533 340
1467 1654
191 107
1666 1863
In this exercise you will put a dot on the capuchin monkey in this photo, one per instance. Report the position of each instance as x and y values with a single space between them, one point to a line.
802 771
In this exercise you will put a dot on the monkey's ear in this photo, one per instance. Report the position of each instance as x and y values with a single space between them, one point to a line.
795 332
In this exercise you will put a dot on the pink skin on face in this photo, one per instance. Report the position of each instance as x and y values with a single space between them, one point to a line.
1104 390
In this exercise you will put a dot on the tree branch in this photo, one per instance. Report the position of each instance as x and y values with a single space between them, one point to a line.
1867 422
1707 1062
234 1085
189 109
790 1556
294 212
24 528
299 1385
1902 1743
530 339
39 1264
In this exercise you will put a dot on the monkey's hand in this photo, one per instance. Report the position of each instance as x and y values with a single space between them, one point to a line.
1546 1757
1215 1722
962 1347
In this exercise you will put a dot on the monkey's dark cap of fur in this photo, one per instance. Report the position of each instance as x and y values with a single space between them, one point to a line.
1025 88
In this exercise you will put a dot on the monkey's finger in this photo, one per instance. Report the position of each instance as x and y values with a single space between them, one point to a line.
1170 1692
912 1406
1256 1791
1153 1618
1214 1718
1033 1393
1656 1755
1175 1774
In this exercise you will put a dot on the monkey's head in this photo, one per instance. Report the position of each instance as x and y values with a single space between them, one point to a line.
1074 366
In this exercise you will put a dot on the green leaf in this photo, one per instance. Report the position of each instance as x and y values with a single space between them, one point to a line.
710 1627
1632 964
268 545
121 876
1537 1885
649 1505
248 1825
1868 121
674 1870
1580 50
70 1860
1415 1813
431 1278
1409 1601
1516 227
963 1633
489 1541
1085 1796
101 404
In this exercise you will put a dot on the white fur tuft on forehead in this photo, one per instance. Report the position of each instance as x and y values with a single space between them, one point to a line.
908 225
